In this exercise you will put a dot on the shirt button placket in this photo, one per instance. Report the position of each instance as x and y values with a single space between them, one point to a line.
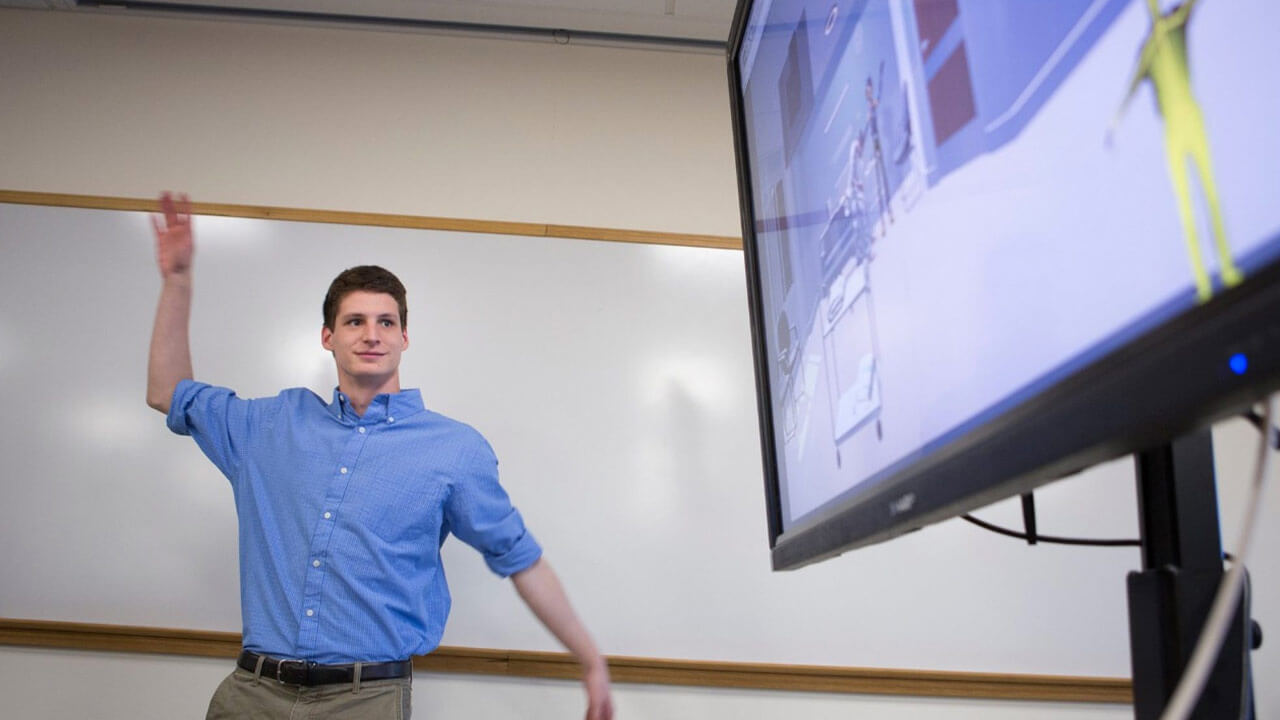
310 633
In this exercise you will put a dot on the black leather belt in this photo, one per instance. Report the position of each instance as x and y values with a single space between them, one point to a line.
305 672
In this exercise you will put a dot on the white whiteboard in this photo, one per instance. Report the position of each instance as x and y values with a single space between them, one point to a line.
613 380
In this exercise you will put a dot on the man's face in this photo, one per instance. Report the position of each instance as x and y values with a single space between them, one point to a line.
366 339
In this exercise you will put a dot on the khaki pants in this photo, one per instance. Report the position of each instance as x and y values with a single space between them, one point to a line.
242 696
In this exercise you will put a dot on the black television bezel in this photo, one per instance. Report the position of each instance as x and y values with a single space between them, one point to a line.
1164 384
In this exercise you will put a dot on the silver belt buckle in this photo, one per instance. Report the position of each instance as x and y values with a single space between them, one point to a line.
280 669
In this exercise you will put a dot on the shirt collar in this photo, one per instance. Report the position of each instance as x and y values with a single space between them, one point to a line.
386 407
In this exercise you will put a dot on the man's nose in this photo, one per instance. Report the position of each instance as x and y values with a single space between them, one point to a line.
369 334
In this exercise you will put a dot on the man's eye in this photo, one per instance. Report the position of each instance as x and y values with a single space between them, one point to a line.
387 323
353 321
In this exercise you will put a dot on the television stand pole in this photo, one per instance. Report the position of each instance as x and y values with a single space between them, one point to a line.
1170 598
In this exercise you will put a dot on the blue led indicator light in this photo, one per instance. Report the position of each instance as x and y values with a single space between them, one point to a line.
1239 363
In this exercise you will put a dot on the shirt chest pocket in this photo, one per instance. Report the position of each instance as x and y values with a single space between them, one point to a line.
398 509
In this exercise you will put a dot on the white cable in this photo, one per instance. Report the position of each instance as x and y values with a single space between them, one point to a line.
1228 595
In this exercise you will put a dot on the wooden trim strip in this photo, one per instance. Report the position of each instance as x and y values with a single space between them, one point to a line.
650 671
639 236
416 222
118 638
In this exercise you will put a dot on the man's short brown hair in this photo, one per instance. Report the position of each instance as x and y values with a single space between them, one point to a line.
369 278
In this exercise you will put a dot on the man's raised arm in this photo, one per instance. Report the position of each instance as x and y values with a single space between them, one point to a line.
170 358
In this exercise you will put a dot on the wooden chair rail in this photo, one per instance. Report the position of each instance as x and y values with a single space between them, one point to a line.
417 222
651 671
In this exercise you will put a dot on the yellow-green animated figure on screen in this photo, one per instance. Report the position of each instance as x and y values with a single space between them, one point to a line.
1163 61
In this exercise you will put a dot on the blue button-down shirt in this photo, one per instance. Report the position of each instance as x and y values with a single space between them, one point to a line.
342 516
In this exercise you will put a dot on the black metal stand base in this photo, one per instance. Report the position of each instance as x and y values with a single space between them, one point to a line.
1182 568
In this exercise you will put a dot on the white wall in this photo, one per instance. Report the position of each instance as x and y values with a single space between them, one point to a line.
366 121
487 129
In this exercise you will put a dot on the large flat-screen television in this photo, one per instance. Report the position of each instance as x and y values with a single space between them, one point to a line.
992 242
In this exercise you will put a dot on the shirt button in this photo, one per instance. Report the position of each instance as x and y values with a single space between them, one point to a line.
343 471
391 419
310 613
328 515
315 563
360 429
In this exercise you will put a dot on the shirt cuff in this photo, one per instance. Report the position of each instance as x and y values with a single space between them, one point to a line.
521 556
183 394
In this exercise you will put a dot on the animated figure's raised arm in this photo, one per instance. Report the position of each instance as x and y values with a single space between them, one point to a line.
1182 13
170 358
1161 26
1139 74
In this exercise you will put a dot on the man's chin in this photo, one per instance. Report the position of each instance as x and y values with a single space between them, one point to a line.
370 376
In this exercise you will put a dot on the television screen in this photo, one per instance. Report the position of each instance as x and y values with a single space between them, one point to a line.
991 242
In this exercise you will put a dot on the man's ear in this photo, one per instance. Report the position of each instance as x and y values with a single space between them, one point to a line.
326 338
406 340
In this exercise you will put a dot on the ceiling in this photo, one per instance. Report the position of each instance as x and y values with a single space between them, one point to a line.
678 24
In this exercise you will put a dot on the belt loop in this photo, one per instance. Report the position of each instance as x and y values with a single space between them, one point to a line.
356 683
257 670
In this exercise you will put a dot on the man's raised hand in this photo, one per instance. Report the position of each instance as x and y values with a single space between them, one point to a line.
172 226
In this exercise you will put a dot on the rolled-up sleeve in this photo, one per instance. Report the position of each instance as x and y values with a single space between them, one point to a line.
480 513
220 422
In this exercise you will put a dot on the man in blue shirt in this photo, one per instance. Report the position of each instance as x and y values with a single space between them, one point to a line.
343 506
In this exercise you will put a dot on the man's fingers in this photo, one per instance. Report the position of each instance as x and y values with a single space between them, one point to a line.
600 709
601 712
175 213
166 207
